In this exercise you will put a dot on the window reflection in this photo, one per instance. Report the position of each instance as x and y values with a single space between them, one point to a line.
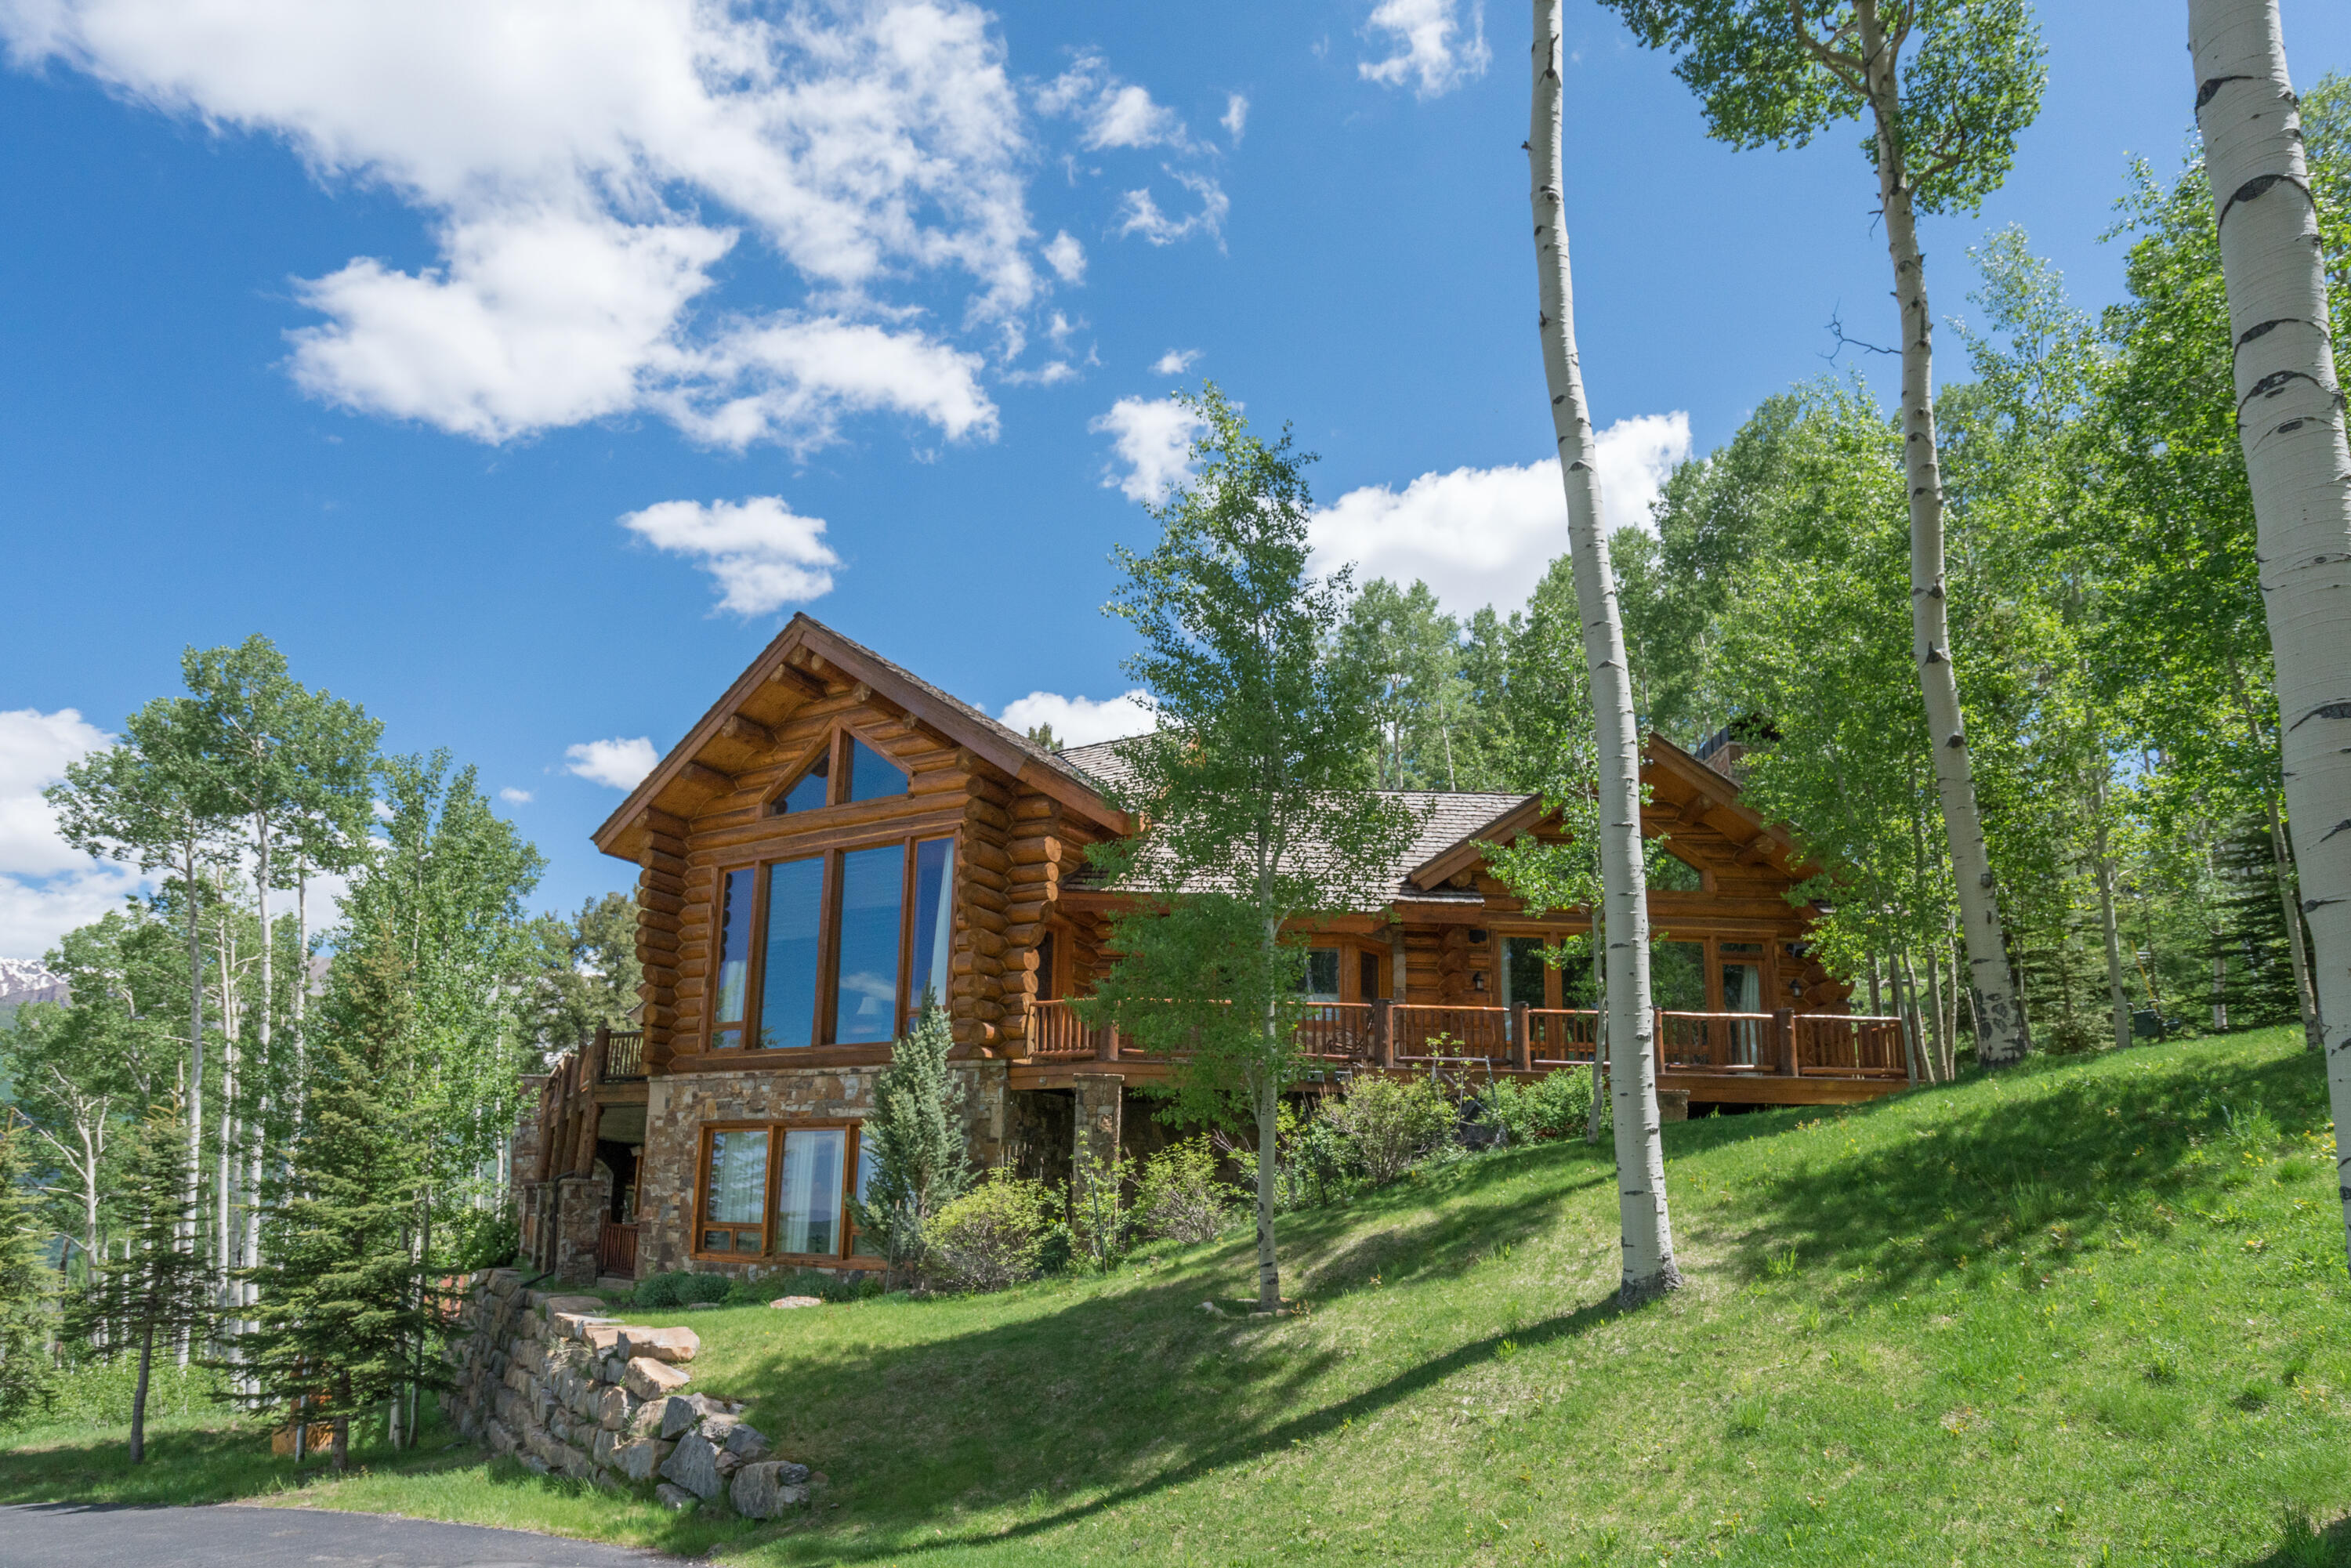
865 1002
734 957
871 775
933 921
788 992
736 1204
810 792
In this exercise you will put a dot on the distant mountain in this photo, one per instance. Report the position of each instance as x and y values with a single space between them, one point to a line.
23 981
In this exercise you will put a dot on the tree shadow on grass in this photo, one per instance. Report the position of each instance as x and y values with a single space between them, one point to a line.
2058 1162
2307 1546
1119 1452
1119 1396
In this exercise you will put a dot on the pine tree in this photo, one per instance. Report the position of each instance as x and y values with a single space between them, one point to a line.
343 1314
159 1290
26 1280
915 1136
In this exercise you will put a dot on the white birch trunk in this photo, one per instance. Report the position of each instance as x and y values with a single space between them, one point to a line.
2116 992
2305 989
247 1291
2290 421
2004 1037
1649 1233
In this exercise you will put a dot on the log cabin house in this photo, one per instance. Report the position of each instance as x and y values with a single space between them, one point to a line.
835 837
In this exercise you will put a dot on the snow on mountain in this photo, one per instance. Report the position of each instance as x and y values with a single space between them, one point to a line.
22 980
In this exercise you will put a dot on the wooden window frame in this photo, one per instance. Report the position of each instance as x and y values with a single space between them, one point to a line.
850 1147
828 944
834 748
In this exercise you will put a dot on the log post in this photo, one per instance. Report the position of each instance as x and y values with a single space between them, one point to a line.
1383 1032
1522 1050
598 1049
1783 1028
1106 1043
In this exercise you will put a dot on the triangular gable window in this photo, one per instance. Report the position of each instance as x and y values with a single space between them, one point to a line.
1668 873
871 775
810 792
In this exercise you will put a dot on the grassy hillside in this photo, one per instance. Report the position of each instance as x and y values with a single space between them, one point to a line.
2084 1313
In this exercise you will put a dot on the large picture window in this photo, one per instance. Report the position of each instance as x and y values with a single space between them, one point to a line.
781 1192
832 949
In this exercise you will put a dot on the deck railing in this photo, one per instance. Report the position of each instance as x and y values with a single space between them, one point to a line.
1524 1039
624 1055
616 1249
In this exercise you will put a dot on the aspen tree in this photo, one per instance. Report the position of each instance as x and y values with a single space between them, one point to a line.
2290 423
1779 72
1648 1228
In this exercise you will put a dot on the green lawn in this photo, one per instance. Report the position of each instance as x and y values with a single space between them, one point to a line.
2088 1311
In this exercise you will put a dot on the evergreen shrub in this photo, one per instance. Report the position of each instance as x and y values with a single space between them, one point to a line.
681 1289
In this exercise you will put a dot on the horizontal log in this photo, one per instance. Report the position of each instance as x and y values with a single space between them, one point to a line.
657 920
988 942
654 898
986 1010
983 918
661 882
1037 808
750 731
978 853
1025 934
989 813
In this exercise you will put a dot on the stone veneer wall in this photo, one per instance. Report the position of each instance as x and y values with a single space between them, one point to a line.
678 1106
547 1379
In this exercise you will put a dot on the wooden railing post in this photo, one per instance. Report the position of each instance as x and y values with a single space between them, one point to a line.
1383 1032
596 1049
1106 1043
1784 1032
1522 1049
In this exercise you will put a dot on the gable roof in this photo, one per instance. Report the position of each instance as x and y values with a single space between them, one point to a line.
809 659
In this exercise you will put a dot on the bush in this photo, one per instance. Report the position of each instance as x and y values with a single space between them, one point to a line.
991 1237
1101 1224
1181 1196
486 1238
1389 1124
681 1290
1558 1105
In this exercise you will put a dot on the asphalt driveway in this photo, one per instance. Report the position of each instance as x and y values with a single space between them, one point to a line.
74 1535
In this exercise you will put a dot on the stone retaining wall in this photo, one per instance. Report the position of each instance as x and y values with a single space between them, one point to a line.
550 1380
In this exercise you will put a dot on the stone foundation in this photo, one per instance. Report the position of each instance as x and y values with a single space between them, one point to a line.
550 1381
678 1106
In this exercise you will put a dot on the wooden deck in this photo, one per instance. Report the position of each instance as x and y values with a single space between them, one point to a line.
1741 1058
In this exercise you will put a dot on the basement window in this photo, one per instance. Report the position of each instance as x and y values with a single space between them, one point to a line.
781 1192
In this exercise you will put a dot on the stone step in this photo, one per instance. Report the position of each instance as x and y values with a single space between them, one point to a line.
614 1283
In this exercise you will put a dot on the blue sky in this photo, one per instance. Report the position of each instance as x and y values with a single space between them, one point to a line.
499 359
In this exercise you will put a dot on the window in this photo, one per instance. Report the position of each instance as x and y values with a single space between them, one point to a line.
734 960
782 1192
1677 977
844 946
1322 983
1367 978
863 773
735 1197
871 777
1742 988
1523 960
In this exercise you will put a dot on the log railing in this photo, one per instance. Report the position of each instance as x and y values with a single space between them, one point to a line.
1524 1039
624 1055
1850 1046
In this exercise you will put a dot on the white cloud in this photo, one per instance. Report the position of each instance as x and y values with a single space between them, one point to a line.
1429 46
1152 437
1081 721
1067 258
584 166
1235 116
1486 536
791 381
616 764
46 886
514 797
1110 112
1140 213
1175 361
762 553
